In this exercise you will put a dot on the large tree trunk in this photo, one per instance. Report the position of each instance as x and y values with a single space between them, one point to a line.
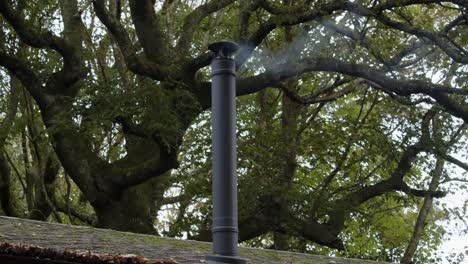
129 212
5 196
121 192
280 241
135 209
290 141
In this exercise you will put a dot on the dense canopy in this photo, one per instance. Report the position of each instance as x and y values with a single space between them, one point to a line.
351 119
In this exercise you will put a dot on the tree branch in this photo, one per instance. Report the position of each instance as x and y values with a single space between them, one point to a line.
192 21
321 10
247 7
149 30
31 36
278 9
436 38
343 206
389 4
452 160
362 41
401 87
74 69
201 61
124 177
75 212
20 70
420 193
68 48
323 234
137 63
316 98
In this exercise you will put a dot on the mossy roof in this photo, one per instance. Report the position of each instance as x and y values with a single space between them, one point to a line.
104 241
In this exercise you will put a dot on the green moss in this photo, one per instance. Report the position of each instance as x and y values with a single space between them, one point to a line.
115 242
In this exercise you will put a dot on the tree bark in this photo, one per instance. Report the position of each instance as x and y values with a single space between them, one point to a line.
290 142
424 212
280 241
5 195
133 210
114 188
44 188
5 181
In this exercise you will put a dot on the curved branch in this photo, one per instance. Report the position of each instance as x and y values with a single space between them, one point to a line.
148 30
452 160
73 211
201 61
436 38
31 36
362 41
420 193
136 63
124 177
345 205
323 234
401 87
316 98
277 9
389 4
257 37
253 226
68 47
20 70
247 8
451 51
116 29
193 20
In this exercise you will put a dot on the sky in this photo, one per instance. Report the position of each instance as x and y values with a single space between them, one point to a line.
457 242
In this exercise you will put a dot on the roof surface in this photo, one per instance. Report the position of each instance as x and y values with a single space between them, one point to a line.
104 241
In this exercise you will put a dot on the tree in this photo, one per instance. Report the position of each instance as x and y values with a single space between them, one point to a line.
118 83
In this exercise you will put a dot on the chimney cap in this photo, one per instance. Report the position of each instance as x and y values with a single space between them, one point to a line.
223 48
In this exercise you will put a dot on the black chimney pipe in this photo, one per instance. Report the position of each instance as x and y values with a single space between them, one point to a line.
223 108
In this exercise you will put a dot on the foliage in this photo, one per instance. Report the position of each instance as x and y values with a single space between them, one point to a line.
344 110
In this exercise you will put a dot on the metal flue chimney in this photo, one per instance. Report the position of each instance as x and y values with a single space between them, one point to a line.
223 107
